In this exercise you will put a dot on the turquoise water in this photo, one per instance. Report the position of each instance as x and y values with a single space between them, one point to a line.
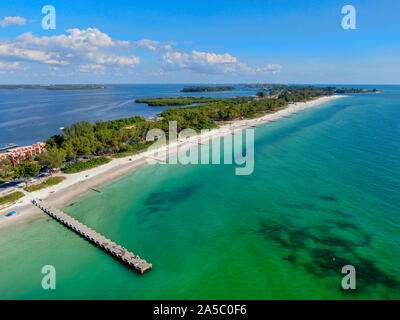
324 193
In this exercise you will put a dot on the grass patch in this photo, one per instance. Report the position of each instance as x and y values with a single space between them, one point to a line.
250 116
49 182
12 197
82 166
132 149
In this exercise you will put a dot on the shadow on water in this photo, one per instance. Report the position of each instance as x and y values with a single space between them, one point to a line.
327 253
161 201
326 198
314 207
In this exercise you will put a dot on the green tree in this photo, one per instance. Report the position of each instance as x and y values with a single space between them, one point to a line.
69 149
6 169
261 94
26 169
53 158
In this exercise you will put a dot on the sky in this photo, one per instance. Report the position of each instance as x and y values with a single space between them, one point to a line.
204 41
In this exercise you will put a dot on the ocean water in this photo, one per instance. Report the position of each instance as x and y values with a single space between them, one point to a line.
43 112
324 193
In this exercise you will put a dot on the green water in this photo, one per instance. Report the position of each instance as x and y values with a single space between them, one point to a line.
324 193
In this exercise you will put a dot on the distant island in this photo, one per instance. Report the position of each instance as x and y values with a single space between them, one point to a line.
207 89
289 93
276 88
52 87
176 101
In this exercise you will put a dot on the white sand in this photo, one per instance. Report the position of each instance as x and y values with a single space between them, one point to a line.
77 184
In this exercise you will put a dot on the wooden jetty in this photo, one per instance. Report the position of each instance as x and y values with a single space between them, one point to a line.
10 146
112 248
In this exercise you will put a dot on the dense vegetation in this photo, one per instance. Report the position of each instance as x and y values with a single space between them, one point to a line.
81 166
6 170
11 198
133 148
49 182
355 90
176 101
207 89
277 88
26 169
84 138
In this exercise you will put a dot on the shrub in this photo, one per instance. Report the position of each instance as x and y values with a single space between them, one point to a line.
12 197
82 166
49 182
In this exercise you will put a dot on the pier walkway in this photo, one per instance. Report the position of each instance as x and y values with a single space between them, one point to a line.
112 248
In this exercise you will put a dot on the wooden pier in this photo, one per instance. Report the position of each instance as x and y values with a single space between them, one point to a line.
112 248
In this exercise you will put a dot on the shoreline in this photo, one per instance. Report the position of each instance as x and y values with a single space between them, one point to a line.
78 184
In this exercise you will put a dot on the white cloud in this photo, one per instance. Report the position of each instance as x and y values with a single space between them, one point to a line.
154 45
12 52
9 21
77 40
89 67
10 67
91 50
212 63
76 47
111 59
269 69
14 66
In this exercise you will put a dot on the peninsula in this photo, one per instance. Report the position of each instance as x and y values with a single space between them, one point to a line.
207 89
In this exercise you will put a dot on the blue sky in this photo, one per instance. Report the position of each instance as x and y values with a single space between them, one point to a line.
199 42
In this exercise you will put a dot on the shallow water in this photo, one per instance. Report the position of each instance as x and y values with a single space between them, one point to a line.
324 193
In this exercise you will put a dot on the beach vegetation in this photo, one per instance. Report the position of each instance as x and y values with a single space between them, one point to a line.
6 170
52 158
26 169
11 198
48 183
262 94
131 149
85 165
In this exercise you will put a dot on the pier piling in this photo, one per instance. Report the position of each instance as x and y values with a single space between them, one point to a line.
117 251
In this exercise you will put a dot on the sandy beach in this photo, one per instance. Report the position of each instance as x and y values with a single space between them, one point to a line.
78 184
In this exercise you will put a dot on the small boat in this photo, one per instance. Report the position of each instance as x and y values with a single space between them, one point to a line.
11 213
